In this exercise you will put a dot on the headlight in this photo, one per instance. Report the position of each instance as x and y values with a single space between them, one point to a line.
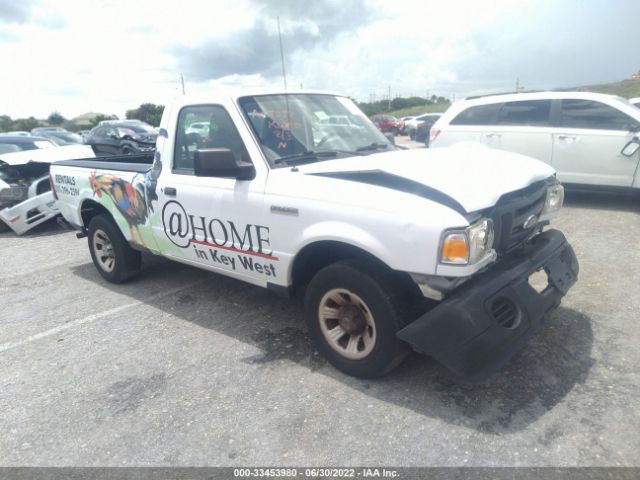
553 201
468 246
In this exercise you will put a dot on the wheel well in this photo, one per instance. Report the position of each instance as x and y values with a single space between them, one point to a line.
314 257
90 209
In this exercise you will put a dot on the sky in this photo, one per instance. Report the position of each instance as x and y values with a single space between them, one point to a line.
77 56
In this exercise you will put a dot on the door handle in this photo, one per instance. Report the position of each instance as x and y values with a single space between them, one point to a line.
171 191
491 135
566 137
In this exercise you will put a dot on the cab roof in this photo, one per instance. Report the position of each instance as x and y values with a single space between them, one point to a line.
234 93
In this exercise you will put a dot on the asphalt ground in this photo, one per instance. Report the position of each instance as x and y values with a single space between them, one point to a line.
186 368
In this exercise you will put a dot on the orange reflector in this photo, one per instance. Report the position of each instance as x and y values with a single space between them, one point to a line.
455 249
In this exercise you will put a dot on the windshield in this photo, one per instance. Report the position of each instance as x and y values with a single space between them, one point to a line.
66 138
139 127
293 124
11 147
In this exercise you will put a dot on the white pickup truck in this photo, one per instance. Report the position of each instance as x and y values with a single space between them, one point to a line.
430 250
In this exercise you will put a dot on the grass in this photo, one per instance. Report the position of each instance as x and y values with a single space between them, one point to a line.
625 88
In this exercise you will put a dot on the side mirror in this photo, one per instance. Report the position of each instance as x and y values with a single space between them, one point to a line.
631 147
114 136
221 162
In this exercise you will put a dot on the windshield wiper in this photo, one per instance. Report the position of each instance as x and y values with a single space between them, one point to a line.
373 146
312 155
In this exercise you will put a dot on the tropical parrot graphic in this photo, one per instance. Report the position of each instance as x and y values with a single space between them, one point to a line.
128 197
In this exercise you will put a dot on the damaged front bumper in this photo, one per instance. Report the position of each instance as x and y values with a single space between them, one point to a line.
480 325
25 215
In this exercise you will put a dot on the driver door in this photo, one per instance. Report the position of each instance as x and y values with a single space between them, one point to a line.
208 221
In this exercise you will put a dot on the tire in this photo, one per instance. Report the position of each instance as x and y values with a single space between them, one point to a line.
4 227
372 308
122 262
412 135
126 151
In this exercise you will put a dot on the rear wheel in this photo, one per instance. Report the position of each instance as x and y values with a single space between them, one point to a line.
353 312
112 255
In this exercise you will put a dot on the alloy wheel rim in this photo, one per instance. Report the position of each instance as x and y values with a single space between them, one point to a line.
347 324
103 249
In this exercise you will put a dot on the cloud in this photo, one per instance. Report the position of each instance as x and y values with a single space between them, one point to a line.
304 26
15 11
553 45
24 12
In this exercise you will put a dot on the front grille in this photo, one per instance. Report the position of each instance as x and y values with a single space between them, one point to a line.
505 313
510 214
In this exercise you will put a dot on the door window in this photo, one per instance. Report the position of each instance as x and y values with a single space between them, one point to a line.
479 115
99 132
593 115
221 133
526 113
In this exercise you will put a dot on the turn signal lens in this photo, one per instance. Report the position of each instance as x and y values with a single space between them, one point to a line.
455 249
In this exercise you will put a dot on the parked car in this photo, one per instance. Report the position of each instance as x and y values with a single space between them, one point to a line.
62 137
412 125
200 128
394 249
341 120
122 138
83 134
20 133
591 139
635 101
39 130
387 124
25 192
129 121
19 143
424 127
403 124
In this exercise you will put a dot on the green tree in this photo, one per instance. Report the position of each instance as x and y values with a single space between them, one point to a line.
25 124
147 112
5 123
56 119
399 102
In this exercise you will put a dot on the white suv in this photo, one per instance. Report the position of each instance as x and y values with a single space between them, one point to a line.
589 138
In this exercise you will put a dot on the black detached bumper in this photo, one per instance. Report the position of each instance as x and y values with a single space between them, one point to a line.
489 318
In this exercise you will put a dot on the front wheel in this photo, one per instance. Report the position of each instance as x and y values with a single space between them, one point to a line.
112 255
353 312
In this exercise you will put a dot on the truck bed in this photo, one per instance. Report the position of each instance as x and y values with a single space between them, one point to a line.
139 163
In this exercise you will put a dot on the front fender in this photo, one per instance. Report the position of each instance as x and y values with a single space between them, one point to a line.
347 234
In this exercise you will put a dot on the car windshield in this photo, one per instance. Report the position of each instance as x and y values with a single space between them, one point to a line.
11 147
139 127
305 124
66 138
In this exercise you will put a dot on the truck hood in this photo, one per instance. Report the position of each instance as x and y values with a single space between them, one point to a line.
467 176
